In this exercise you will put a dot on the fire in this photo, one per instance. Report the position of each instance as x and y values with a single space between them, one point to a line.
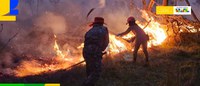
58 51
154 30
156 33
60 54
115 45
63 59
128 36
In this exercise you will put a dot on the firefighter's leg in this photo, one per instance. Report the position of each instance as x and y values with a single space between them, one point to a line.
88 67
89 70
95 73
144 48
137 46
88 63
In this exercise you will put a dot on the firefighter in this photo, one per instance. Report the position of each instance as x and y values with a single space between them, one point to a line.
140 38
96 41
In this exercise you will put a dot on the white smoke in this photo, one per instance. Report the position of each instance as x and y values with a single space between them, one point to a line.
67 19
50 21
102 3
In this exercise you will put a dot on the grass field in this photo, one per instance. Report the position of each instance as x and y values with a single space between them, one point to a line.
169 66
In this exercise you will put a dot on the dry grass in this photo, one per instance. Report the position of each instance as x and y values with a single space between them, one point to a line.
169 66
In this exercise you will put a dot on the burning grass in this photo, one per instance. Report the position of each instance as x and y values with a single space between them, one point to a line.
64 57
118 49
170 65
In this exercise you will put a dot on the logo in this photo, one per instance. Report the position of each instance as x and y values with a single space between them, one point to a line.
182 10
173 10
8 10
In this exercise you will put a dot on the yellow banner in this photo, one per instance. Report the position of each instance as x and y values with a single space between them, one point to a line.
164 10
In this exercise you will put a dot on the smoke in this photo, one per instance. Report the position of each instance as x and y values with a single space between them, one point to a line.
51 21
38 22
6 63
197 2
102 3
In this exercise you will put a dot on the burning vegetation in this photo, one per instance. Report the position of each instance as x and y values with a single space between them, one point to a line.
52 46
64 58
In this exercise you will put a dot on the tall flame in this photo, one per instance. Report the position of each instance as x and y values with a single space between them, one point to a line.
156 33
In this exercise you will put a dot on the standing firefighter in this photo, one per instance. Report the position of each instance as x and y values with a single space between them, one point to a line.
96 41
140 37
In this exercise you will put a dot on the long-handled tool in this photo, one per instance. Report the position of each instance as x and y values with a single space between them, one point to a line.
76 64
81 62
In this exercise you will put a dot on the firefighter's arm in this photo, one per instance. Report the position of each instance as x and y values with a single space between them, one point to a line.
124 33
132 39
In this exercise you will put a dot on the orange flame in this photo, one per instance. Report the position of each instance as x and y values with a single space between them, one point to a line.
63 60
56 48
